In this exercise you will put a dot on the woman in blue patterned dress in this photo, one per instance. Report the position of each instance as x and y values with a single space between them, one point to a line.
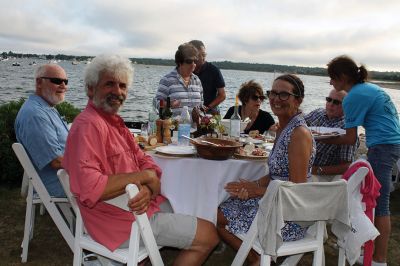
291 159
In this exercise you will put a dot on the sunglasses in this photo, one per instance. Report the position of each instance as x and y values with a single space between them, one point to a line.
334 101
283 96
57 81
256 98
189 61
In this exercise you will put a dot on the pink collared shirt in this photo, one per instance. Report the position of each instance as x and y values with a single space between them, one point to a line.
99 145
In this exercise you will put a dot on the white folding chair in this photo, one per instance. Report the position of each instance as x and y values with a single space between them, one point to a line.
312 242
51 204
140 228
355 182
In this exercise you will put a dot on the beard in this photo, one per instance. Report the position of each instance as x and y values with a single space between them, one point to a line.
52 97
107 104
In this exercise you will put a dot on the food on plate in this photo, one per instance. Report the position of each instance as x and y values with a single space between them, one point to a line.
141 139
252 150
152 141
254 133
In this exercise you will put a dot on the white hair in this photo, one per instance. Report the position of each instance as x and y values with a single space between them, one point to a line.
42 69
114 64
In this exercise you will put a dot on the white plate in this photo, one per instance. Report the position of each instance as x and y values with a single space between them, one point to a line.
268 146
250 157
135 130
327 132
176 150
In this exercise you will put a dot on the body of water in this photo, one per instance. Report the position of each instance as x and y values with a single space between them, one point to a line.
17 82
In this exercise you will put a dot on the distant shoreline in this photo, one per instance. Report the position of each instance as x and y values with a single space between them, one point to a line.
259 67
387 84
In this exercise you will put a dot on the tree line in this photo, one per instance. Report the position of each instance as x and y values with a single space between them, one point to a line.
315 71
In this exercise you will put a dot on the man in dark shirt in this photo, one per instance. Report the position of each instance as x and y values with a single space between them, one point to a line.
211 79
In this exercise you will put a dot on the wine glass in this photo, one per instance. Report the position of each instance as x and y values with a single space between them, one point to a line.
270 135
155 105
144 130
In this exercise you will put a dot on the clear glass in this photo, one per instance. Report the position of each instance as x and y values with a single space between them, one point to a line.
270 135
144 130
155 106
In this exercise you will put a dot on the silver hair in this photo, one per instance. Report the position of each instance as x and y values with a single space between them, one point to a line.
114 64
41 70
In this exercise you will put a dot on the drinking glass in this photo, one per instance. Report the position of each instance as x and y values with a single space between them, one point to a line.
144 128
270 135
155 105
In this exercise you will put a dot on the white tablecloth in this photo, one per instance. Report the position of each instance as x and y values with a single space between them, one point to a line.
196 186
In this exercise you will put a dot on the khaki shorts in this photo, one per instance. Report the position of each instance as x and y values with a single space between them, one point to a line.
171 229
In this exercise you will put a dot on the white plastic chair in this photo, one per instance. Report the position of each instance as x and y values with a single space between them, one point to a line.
355 182
141 228
51 204
312 242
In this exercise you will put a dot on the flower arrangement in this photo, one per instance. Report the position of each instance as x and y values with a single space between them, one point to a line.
211 123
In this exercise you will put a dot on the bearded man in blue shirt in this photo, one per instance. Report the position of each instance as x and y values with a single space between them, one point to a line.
40 128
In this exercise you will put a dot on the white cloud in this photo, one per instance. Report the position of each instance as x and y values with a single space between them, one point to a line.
291 32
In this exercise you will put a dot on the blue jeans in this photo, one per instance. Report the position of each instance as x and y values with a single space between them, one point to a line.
382 158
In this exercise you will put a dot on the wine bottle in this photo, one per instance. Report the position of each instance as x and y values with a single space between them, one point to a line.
161 110
167 110
235 121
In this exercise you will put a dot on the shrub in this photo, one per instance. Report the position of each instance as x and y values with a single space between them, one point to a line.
11 169
68 111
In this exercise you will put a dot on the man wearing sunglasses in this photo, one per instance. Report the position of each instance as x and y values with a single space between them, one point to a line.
211 79
40 128
331 159
181 85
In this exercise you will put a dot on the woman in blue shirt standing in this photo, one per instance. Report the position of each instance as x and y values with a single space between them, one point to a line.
370 106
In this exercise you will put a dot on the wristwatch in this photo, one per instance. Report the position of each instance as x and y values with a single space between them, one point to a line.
319 170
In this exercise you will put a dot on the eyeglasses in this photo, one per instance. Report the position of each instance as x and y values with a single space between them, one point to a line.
57 81
283 96
256 98
189 61
334 101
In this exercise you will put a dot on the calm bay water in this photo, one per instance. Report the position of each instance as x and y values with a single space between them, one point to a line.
17 82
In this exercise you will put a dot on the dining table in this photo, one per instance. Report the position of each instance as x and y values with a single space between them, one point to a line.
195 186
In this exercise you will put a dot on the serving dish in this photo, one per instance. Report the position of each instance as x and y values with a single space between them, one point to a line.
226 149
326 132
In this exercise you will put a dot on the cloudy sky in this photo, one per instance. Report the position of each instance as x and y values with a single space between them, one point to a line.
290 32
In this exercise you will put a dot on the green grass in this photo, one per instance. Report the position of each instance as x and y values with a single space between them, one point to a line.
49 248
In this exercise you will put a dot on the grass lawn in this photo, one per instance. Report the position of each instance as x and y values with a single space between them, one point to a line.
49 248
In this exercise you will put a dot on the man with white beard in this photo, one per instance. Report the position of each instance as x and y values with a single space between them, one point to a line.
40 128
102 157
